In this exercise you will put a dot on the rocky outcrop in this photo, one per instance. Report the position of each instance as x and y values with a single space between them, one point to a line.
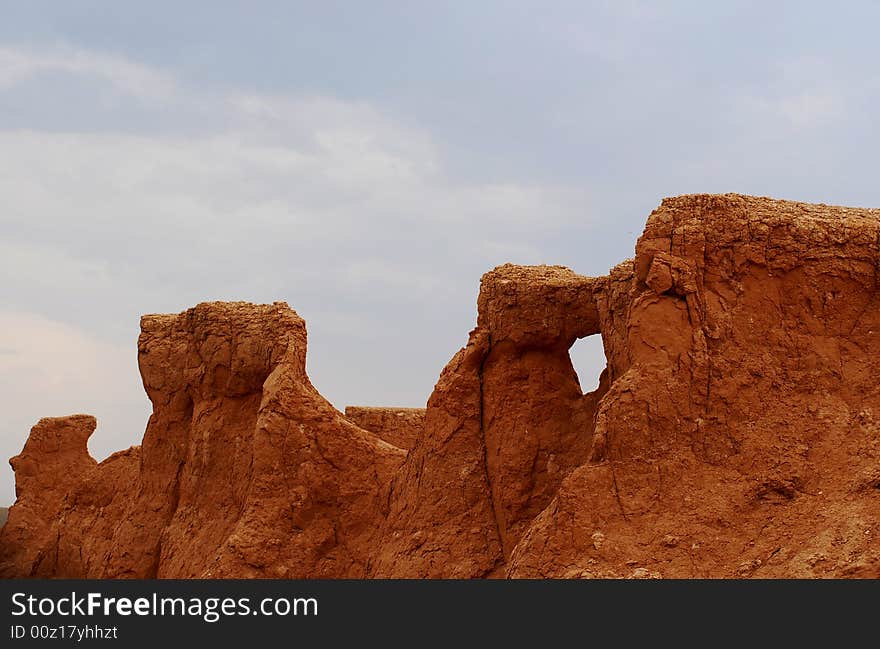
53 463
506 422
735 431
738 436
401 427
244 471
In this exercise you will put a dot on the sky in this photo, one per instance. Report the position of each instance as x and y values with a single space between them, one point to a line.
367 162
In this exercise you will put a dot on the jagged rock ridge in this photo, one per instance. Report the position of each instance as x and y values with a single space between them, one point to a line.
735 431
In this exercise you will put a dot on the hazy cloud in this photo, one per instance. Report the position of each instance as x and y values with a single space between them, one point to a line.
18 65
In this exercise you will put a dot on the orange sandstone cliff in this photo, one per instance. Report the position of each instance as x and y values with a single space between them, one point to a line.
735 431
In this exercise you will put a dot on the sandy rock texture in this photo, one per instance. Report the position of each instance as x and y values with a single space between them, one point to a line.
244 470
401 427
735 431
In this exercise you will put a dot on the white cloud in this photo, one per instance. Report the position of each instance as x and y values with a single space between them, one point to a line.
799 110
312 171
806 94
18 65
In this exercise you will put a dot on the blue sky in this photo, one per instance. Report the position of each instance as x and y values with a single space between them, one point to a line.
367 162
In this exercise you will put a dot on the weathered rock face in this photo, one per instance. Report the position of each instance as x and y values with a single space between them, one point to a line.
245 470
400 427
739 434
53 463
506 422
735 431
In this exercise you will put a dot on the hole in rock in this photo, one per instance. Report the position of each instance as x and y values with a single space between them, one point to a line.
588 359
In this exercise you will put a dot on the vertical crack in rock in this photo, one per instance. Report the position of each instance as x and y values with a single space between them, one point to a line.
496 514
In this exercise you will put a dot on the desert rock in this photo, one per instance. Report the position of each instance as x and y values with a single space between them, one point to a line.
401 427
735 431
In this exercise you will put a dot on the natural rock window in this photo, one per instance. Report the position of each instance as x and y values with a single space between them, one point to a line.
588 358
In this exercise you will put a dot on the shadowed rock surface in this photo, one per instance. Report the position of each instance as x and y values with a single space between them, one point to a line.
735 431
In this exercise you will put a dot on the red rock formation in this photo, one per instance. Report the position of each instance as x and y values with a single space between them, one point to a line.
507 421
53 463
245 470
735 431
400 427
738 436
